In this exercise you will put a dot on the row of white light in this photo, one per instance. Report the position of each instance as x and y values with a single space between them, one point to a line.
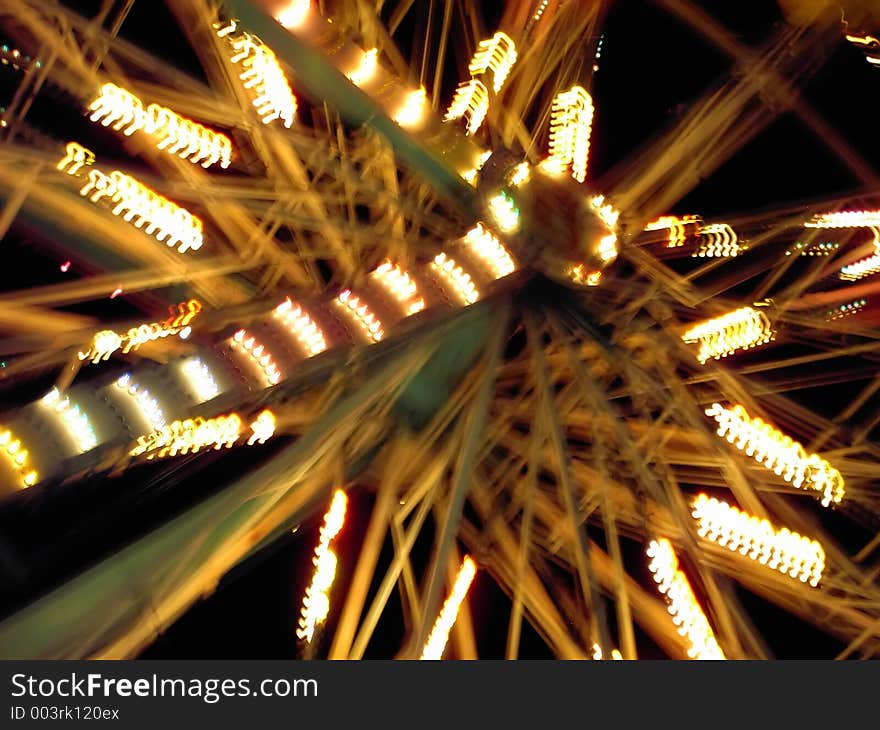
137 204
147 405
456 278
194 434
681 602
490 251
18 457
845 219
106 342
200 379
75 420
717 240
358 312
316 602
400 285
257 354
439 636
571 123
741 329
866 266
779 549
778 452
262 74
495 55
853 219
676 227
123 111
297 321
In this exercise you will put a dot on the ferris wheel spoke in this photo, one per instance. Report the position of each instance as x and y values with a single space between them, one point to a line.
702 22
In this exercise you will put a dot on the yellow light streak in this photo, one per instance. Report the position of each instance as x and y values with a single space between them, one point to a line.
490 251
256 352
436 643
17 456
189 436
316 602
294 14
778 453
106 342
719 337
75 420
366 68
457 278
471 175
496 54
571 123
123 111
200 380
757 539
676 227
605 210
135 203
262 428
76 157
262 75
194 434
471 101
520 174
607 250
412 110
307 334
400 285
718 240
504 212
148 406
579 274
360 314
681 602
866 40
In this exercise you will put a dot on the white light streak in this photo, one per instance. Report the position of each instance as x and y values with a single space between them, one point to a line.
75 420
788 552
200 380
778 452
297 321
457 278
490 251
681 602
436 643
361 315
262 75
316 602
571 123
148 406
496 54
400 285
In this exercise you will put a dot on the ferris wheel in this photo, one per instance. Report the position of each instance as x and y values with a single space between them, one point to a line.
297 267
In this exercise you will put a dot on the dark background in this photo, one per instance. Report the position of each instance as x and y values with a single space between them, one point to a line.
651 70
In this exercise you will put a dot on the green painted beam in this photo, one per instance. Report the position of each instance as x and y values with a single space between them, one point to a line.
322 82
